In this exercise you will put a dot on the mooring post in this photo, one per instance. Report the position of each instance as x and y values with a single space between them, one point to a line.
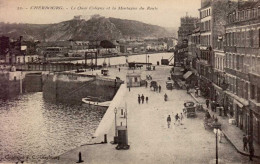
80 158
105 138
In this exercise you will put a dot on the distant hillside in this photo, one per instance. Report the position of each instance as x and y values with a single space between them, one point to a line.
131 28
96 28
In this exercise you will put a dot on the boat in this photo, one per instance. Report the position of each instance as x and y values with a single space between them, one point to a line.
94 102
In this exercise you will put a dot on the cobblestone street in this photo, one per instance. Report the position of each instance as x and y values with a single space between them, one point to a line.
151 141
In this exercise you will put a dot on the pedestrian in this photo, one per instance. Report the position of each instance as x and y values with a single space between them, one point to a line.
196 92
188 88
220 135
142 97
160 89
146 99
181 118
251 147
119 69
146 84
165 97
245 142
176 118
213 106
207 103
139 99
169 121
251 152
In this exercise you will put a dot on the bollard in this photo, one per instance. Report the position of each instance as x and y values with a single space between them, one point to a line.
80 159
105 138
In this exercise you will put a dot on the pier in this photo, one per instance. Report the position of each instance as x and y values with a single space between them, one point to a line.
150 140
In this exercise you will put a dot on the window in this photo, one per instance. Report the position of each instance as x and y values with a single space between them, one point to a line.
252 91
258 95
237 62
233 61
246 91
242 63
230 61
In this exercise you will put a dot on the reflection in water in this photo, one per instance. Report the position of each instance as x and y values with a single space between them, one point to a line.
31 127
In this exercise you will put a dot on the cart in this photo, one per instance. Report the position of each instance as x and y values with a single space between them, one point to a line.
169 85
189 109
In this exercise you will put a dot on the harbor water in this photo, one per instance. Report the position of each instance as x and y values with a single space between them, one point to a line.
142 58
34 130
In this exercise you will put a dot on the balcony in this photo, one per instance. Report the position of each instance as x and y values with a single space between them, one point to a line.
230 49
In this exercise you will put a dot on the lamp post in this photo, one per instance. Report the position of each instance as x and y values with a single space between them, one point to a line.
217 146
115 111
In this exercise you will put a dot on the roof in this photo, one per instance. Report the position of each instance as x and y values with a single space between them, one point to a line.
247 4
56 44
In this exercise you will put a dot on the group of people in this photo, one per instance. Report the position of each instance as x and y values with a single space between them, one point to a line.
141 99
178 120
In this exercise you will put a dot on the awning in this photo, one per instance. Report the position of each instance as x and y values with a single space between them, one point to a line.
238 103
187 74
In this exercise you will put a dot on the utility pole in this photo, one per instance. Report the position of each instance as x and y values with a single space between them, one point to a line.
217 146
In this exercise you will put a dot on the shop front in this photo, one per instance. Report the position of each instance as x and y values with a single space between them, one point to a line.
228 105
256 127
241 115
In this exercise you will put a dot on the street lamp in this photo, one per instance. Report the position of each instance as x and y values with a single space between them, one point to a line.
217 146
115 138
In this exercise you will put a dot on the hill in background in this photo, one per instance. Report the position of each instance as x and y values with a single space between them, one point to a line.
96 28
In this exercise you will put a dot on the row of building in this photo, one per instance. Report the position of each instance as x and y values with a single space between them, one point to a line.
20 51
223 51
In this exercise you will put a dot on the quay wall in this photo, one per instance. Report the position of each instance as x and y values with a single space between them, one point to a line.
71 88
107 120
32 82
10 84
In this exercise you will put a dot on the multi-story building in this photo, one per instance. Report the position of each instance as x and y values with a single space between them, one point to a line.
211 57
242 66
187 26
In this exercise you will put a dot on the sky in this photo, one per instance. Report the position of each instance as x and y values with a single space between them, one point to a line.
166 13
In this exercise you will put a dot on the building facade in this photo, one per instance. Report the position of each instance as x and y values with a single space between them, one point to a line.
242 60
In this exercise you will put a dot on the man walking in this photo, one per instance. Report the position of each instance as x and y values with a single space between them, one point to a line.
177 118
251 148
181 118
139 99
160 89
207 103
220 135
146 99
169 121
142 97
245 142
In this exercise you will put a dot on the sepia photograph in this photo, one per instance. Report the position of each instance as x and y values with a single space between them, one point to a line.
130 81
